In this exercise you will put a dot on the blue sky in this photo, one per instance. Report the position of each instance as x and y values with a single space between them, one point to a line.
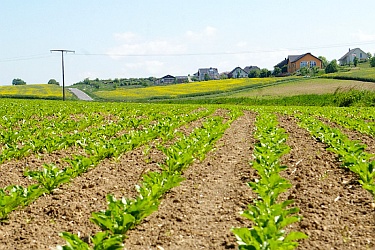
128 38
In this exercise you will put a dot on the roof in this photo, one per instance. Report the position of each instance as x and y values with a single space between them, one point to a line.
247 69
207 70
167 76
293 58
236 69
282 63
350 51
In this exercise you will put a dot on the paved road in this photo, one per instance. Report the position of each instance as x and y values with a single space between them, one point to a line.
80 94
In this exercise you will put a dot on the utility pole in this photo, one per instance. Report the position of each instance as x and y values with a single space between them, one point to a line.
62 63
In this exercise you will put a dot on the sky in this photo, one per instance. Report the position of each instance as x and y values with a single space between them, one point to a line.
144 38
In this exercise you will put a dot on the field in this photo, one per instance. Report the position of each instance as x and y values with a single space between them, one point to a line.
34 91
316 86
183 90
185 172
361 73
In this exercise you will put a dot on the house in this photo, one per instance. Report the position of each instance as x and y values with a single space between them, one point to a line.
207 73
182 79
351 54
238 73
247 69
168 79
296 62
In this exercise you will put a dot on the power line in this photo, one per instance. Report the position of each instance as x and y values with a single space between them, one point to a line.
42 56
227 53
25 58
62 63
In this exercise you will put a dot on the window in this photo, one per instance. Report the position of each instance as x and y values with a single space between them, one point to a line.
303 64
312 64
360 55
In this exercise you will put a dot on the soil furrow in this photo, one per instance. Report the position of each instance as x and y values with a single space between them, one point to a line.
336 210
69 208
201 211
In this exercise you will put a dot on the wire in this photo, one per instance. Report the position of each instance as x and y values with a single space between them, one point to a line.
226 53
41 56
24 58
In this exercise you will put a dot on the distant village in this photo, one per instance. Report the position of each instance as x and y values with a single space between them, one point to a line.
288 66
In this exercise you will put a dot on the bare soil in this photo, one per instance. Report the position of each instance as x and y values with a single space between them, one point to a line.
336 212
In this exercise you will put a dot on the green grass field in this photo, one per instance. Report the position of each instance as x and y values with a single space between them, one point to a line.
317 86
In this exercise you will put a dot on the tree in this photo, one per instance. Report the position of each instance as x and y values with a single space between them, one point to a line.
369 55
284 69
276 71
18 81
372 61
355 61
324 61
304 71
206 77
53 81
265 73
254 73
86 81
332 67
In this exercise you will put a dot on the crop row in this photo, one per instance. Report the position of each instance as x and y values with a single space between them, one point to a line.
51 136
269 215
51 176
352 153
122 215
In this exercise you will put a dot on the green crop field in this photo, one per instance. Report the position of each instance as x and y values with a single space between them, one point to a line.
91 175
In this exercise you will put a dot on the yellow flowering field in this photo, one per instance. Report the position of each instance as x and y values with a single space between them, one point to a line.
178 90
49 91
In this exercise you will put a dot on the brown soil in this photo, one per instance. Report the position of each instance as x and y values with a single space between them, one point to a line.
337 213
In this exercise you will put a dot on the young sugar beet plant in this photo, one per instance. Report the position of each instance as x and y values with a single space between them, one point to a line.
122 215
13 197
270 217
351 153
51 177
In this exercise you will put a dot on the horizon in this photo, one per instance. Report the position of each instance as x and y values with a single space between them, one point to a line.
154 39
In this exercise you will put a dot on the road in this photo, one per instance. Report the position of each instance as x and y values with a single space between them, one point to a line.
80 94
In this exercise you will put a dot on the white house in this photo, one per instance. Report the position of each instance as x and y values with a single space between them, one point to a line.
351 54
238 73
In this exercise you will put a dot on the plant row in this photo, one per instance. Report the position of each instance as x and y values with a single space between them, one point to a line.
122 215
51 177
18 144
352 153
269 216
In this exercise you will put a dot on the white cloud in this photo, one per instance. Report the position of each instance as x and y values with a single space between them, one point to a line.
126 37
153 67
208 32
364 37
242 44
132 44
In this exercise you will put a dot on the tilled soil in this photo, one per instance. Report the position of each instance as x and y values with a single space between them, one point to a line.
336 212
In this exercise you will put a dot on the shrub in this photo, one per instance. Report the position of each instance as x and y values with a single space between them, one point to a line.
332 67
372 62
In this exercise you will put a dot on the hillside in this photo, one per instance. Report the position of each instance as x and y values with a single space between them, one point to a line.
34 91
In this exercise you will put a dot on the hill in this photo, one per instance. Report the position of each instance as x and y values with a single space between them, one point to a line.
34 91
